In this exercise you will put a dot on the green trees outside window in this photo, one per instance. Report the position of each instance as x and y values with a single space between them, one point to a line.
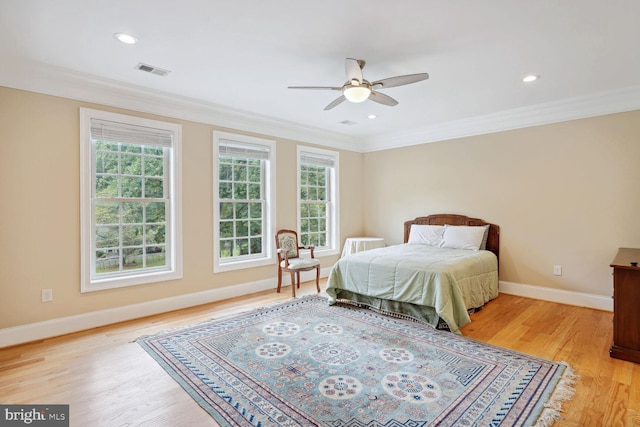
130 207
241 197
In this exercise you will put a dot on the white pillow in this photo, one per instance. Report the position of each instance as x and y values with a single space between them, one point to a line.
430 235
462 237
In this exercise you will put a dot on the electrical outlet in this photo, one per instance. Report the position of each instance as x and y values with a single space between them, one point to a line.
557 270
47 295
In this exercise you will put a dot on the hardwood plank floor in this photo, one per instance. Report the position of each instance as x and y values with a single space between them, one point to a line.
108 379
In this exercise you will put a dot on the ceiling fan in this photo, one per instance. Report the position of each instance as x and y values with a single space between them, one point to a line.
357 89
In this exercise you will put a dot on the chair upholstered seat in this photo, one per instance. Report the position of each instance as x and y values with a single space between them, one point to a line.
298 263
289 259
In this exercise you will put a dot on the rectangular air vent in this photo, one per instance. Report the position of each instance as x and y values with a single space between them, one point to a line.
348 123
151 69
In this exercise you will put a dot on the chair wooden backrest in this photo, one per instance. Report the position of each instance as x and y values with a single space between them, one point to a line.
287 239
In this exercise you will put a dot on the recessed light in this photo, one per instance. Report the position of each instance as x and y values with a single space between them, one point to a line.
125 38
530 78
371 116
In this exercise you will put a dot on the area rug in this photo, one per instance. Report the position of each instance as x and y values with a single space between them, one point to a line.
305 363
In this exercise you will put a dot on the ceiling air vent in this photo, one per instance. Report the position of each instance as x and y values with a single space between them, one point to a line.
348 123
153 70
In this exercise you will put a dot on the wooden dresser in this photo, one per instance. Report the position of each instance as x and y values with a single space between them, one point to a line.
626 305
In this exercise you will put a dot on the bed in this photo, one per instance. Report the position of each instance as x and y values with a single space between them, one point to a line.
447 267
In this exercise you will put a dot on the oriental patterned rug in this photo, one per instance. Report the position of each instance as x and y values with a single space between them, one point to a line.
305 363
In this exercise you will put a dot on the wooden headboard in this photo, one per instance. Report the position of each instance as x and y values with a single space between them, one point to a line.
493 240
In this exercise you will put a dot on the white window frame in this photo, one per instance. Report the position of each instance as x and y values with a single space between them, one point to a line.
269 212
333 225
173 170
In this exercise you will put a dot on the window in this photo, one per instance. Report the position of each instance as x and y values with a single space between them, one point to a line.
243 201
317 198
130 200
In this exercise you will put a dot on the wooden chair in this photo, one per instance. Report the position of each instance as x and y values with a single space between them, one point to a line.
290 261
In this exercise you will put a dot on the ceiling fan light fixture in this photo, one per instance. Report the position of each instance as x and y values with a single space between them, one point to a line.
357 93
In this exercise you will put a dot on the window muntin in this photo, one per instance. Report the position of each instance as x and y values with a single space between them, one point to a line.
130 205
243 207
317 198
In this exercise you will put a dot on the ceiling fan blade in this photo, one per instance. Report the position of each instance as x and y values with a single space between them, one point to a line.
335 103
381 98
400 80
352 67
316 87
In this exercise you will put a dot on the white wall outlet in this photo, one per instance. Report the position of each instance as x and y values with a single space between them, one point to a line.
557 270
47 295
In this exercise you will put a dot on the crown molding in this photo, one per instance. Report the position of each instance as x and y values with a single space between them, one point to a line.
56 81
50 80
597 104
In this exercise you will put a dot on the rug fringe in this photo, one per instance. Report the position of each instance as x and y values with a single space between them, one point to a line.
563 392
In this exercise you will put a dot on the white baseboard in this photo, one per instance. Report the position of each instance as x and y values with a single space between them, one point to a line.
66 325
598 302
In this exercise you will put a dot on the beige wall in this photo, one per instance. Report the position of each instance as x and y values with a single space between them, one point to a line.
566 194
40 220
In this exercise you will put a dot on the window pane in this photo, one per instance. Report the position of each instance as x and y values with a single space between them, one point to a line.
106 186
226 248
153 166
153 188
240 191
239 172
256 245
226 190
155 212
131 164
107 236
255 228
131 212
107 261
255 174
226 172
242 210
254 191
131 187
226 229
255 210
226 210
107 213
242 228
131 235
242 247
106 162
156 256
155 234
132 258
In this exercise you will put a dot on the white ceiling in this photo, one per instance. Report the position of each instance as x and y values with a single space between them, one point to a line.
234 60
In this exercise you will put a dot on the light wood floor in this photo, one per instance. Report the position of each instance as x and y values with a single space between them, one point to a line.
108 379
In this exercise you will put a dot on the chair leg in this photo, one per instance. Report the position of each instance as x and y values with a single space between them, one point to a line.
279 280
318 278
293 284
298 279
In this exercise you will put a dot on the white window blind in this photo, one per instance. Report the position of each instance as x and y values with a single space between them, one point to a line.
248 151
103 130
317 159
